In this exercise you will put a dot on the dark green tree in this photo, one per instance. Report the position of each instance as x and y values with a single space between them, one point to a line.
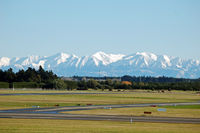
59 84
92 84
10 75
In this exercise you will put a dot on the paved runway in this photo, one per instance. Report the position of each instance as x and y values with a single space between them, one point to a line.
100 117
54 113
56 110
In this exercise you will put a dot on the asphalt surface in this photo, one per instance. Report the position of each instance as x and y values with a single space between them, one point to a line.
56 110
55 113
100 117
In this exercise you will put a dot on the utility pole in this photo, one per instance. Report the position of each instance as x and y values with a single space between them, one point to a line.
131 120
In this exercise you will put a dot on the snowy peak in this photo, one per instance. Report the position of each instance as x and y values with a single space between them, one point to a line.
166 61
4 61
147 56
61 58
104 64
30 60
106 59
142 59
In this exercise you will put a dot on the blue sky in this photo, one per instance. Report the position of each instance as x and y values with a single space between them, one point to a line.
83 27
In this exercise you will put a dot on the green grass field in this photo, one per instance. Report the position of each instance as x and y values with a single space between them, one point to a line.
79 126
9 102
191 111
40 91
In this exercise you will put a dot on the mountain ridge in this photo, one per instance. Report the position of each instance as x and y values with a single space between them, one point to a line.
103 64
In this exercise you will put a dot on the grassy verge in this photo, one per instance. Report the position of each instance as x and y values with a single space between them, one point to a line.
192 111
21 101
78 126
3 91
183 107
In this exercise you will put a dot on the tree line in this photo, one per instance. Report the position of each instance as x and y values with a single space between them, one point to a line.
161 79
30 75
30 78
120 85
40 78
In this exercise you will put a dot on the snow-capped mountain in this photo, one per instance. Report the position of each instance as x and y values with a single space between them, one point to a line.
102 64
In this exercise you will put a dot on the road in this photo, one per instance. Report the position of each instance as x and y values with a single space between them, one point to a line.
55 113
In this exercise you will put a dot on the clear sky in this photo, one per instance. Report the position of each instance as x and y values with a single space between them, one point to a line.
83 27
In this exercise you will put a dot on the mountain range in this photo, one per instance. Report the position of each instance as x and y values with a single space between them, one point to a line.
103 64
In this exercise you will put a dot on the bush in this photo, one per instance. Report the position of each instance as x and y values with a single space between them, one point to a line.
4 85
26 85
70 85
59 84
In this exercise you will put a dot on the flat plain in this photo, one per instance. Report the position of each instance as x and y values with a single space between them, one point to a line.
101 98
80 126
187 111
97 98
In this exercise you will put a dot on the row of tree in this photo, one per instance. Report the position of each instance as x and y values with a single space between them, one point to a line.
30 78
145 79
110 85
30 75
161 79
47 79
141 82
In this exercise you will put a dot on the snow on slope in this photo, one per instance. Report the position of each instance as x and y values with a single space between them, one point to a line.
140 63
62 58
4 61
106 59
